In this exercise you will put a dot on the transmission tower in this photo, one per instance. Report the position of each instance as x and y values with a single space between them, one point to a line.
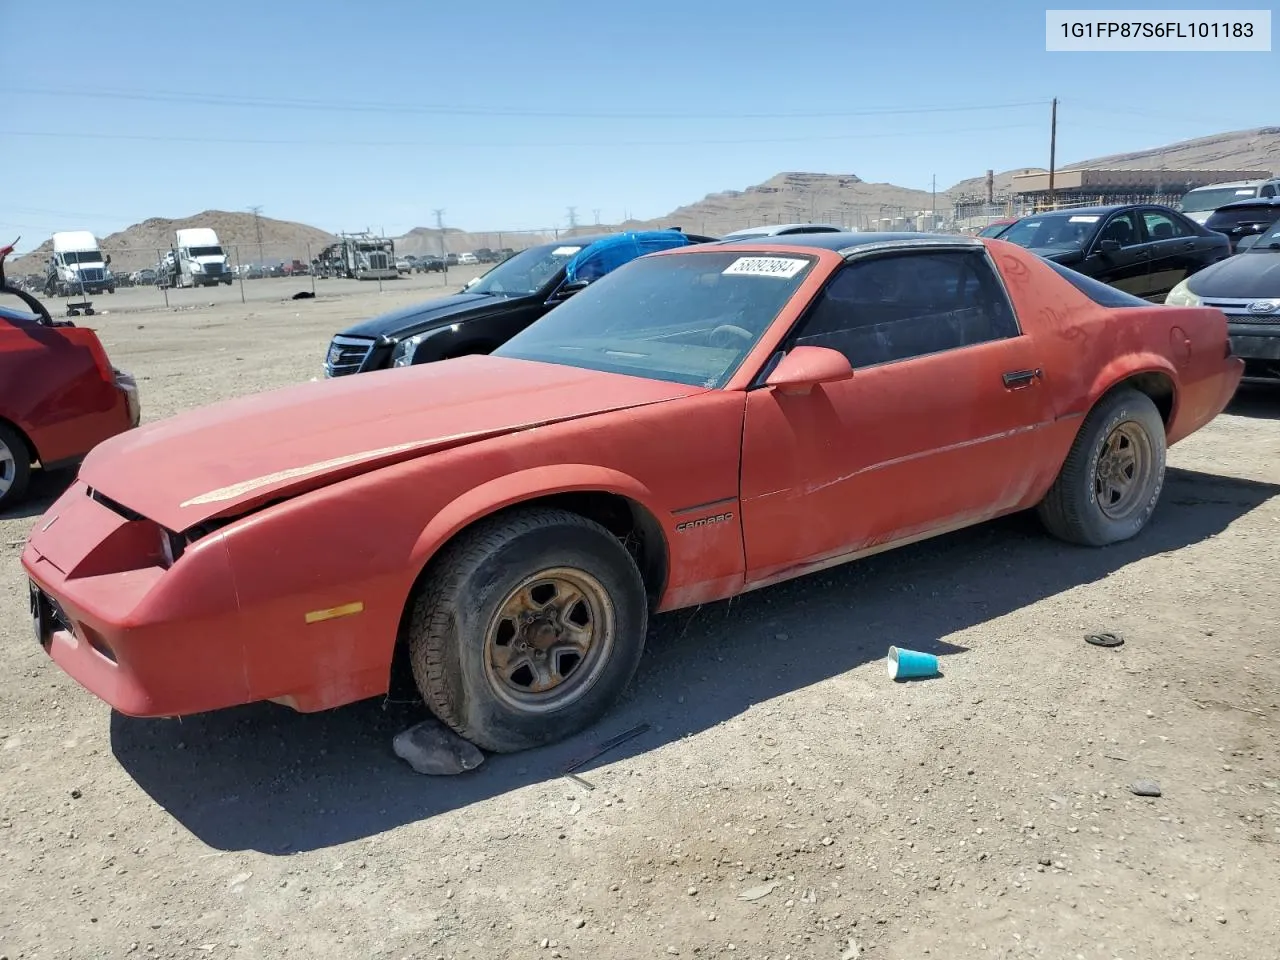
573 217
257 229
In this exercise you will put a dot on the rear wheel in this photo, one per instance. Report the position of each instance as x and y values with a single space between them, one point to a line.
1111 480
15 466
529 629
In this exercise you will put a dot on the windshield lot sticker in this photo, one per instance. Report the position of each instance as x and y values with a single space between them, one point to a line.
565 251
1083 219
783 267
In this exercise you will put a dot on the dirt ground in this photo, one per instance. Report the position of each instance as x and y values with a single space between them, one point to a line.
788 800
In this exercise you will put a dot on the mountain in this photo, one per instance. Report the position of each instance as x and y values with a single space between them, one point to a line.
838 198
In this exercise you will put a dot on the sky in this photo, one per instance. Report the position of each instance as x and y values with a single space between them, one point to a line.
506 113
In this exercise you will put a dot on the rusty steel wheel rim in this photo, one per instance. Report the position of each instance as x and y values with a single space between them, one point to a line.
549 640
1123 474
8 468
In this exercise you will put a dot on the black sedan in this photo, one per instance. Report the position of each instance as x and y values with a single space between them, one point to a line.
1247 289
491 309
1143 249
1244 218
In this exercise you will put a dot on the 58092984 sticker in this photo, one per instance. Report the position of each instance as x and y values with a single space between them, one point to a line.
783 267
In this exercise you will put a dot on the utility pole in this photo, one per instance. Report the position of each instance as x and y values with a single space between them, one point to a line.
1053 148
933 206
257 226
440 226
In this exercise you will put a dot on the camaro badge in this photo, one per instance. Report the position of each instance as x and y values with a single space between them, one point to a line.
703 521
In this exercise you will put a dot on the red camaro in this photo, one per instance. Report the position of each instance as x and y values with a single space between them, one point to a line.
697 424
59 394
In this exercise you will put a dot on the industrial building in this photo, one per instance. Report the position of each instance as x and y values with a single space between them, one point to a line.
1086 187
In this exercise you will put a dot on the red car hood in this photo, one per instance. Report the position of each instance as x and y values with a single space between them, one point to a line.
225 458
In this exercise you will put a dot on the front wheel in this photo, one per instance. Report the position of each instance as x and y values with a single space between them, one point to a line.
528 629
15 466
1111 480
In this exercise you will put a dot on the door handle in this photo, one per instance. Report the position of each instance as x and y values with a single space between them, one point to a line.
1189 245
1021 378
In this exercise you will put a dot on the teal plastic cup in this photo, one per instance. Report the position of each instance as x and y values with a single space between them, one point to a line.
911 664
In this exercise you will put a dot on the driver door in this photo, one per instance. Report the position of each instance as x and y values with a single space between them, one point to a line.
939 427
1120 255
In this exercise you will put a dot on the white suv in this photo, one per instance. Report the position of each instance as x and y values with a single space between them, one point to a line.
1202 201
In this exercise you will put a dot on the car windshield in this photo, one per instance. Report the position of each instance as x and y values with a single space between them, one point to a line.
1269 242
1197 201
206 251
82 256
993 230
527 272
683 318
1056 231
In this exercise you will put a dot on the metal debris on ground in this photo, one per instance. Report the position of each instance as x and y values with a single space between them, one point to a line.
1104 639
604 748
760 892
432 748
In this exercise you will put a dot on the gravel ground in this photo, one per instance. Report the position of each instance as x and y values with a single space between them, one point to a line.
788 800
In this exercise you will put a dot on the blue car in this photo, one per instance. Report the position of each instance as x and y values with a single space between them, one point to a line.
494 307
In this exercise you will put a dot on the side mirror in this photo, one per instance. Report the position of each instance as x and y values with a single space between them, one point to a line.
805 367
1109 246
107 260
567 290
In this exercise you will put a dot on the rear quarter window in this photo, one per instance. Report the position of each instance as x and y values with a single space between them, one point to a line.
1096 290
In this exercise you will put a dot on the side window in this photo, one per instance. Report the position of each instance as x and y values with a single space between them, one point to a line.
908 305
1161 226
1267 191
1123 228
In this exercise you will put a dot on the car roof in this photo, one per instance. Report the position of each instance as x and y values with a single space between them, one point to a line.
1099 209
1231 183
1251 202
782 228
847 242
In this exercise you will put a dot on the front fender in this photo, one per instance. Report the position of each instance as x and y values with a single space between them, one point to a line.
520 487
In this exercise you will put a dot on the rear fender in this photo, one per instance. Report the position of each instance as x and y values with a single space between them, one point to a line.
516 488
1131 365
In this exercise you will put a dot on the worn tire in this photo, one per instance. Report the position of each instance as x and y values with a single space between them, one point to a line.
452 609
18 471
1071 511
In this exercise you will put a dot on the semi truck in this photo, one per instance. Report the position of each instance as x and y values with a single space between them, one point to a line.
77 266
196 260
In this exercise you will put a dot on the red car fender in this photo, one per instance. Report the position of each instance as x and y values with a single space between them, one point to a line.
525 485
1131 365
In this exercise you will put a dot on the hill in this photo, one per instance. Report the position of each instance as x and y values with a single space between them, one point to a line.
837 198
1255 149
137 246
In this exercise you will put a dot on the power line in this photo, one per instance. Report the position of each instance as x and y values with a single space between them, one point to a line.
283 103
499 145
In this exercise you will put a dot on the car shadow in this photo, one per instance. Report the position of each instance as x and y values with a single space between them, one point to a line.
1258 400
46 486
266 778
